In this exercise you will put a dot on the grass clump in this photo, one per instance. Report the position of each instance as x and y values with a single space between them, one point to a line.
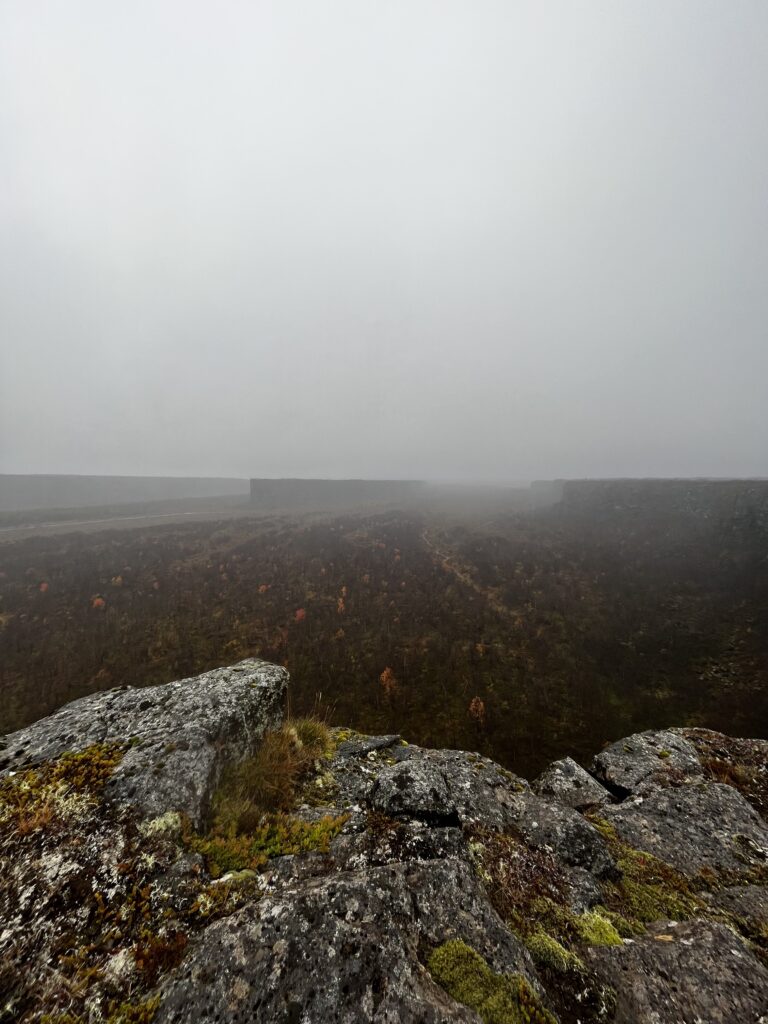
268 781
251 810
496 998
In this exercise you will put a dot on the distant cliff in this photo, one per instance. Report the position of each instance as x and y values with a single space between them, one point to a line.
402 884
701 499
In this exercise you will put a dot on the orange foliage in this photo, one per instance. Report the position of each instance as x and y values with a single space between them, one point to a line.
388 682
43 588
340 606
477 710
263 588
98 602
300 615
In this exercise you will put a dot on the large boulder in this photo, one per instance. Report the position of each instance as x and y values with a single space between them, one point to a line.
344 948
645 761
403 885
179 735
693 972
706 826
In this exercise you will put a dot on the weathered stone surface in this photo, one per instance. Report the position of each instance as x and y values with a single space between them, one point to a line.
453 787
646 761
181 734
743 903
568 783
104 901
694 972
361 745
344 949
708 825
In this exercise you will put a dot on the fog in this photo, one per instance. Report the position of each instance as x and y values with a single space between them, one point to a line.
442 240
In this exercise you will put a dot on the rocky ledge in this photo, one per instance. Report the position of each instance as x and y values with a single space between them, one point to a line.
401 884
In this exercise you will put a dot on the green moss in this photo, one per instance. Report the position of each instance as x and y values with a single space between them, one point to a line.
664 754
596 930
496 998
277 835
548 952
33 800
649 889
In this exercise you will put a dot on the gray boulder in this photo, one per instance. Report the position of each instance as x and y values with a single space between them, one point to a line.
708 825
693 972
344 949
180 734
646 761
568 783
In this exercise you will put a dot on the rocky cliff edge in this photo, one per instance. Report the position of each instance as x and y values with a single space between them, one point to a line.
403 884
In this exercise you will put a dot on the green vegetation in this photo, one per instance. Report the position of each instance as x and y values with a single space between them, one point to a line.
251 809
38 798
649 889
497 998
277 835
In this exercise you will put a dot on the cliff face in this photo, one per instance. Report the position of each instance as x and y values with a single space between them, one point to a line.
405 884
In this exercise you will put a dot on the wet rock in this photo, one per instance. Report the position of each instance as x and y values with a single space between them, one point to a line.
647 761
347 949
568 783
180 734
696 972
741 763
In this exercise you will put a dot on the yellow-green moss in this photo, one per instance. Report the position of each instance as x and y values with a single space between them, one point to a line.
596 930
496 998
61 789
649 889
548 952
134 1013
277 835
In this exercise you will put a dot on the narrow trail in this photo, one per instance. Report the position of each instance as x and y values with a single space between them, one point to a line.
462 572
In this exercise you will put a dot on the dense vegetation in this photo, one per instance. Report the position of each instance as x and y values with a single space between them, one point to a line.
525 637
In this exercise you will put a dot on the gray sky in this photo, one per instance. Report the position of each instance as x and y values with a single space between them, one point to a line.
491 239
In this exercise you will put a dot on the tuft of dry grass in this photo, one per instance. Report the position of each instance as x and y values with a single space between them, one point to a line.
267 782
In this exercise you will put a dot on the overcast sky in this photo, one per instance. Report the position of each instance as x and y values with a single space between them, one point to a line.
493 239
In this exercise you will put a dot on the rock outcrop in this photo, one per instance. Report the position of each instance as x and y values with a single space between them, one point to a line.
403 885
178 736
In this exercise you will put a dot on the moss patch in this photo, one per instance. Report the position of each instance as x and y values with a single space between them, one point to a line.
57 791
649 889
497 998
275 835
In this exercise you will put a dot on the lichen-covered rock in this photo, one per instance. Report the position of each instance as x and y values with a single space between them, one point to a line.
693 972
347 948
179 735
706 826
120 902
647 761
568 783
